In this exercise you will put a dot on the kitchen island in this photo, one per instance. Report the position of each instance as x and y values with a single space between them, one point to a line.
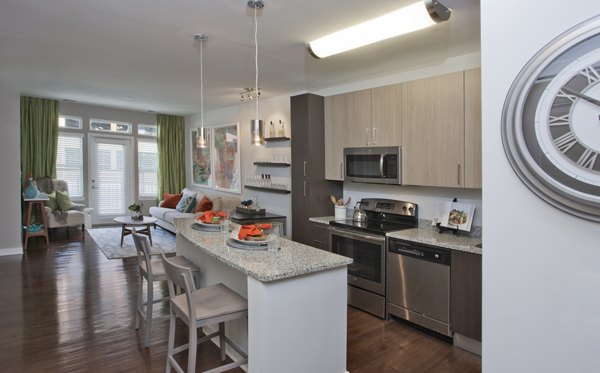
296 300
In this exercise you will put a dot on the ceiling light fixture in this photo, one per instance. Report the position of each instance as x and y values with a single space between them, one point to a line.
411 18
249 94
202 133
257 132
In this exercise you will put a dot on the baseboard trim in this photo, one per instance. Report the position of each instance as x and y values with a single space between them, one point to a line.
11 251
467 343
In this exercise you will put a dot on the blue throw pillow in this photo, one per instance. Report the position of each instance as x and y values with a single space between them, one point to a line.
186 204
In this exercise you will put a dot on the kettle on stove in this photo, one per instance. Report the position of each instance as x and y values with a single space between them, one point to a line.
359 214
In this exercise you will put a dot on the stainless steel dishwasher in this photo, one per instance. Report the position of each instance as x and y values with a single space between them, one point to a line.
418 284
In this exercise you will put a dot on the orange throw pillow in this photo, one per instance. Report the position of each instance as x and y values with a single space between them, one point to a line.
205 204
171 200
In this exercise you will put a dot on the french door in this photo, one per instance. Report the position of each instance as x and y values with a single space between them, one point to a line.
111 176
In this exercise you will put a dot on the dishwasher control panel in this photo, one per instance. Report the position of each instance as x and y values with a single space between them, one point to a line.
420 251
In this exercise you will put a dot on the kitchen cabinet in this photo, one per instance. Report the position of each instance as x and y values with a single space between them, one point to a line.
386 115
310 190
473 128
433 131
369 117
320 236
335 122
465 294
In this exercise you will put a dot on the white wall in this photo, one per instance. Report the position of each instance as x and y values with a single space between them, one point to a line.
10 169
271 109
541 272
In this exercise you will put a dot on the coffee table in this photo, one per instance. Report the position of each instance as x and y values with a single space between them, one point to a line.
127 221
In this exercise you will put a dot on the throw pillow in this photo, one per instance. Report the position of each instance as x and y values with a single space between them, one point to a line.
62 200
205 204
186 204
171 200
51 202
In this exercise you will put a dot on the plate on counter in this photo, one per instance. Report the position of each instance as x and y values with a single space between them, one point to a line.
243 245
267 239
200 226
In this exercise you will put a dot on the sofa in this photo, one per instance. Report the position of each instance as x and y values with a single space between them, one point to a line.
165 215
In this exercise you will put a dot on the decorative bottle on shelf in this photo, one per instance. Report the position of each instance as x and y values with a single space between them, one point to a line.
272 130
31 191
281 129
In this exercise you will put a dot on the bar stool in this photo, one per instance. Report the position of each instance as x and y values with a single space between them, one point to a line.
198 308
151 269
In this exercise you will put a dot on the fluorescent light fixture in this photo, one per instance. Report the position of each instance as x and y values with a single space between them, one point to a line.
411 18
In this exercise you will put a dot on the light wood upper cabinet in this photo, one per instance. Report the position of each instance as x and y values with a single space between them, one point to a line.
433 131
335 127
473 128
386 115
358 111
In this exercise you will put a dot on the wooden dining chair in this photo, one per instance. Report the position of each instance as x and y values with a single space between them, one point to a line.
197 308
151 270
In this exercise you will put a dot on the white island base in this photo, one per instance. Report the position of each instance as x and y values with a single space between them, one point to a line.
295 324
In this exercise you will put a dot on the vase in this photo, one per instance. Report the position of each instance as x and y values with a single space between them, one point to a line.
31 191
137 215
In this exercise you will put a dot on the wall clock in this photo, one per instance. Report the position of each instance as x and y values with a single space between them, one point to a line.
551 122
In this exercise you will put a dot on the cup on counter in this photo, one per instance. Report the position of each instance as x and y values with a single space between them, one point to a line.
274 239
340 212
225 228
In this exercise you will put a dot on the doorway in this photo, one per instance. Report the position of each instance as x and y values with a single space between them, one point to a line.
111 181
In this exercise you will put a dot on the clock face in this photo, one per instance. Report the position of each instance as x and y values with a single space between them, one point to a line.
551 122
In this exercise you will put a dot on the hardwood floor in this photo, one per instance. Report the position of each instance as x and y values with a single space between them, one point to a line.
69 309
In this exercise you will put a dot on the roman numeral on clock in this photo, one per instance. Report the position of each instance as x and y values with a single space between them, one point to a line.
565 142
587 159
563 94
562 120
591 74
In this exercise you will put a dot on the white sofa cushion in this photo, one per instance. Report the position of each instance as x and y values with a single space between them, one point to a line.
170 215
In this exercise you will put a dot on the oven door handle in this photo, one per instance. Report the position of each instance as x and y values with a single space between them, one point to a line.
357 236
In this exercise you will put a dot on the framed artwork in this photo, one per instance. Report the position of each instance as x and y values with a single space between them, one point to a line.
226 157
201 161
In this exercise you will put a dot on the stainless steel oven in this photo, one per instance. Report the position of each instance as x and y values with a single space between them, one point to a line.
366 274
365 244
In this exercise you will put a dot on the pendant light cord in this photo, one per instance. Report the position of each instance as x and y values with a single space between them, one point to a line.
201 88
256 60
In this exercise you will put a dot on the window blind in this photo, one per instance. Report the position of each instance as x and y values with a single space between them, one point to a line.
110 183
147 168
69 163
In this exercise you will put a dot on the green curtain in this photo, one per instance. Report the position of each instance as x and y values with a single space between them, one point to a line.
39 137
171 153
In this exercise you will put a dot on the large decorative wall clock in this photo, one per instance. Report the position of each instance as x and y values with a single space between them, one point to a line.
551 122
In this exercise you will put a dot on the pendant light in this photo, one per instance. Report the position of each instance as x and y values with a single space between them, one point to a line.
202 137
257 131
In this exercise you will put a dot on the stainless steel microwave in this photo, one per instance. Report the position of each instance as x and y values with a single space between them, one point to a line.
379 165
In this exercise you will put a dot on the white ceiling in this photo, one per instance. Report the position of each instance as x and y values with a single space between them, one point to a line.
141 54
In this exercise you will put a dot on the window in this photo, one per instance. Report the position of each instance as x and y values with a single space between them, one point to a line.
110 126
69 162
65 121
147 129
147 168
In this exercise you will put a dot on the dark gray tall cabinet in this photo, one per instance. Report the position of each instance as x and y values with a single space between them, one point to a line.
310 190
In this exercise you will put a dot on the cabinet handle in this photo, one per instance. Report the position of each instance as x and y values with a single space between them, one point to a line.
305 167
367 136
374 136
342 170
304 186
458 174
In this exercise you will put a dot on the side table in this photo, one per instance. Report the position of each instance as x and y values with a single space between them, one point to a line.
30 204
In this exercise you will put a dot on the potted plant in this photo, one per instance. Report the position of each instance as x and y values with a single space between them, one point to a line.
136 211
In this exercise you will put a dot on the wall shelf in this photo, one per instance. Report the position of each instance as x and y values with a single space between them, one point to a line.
272 164
275 139
271 190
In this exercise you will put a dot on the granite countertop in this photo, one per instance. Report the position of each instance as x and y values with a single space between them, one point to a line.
428 234
293 259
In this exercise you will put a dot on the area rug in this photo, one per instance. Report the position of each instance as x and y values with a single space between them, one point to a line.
109 241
